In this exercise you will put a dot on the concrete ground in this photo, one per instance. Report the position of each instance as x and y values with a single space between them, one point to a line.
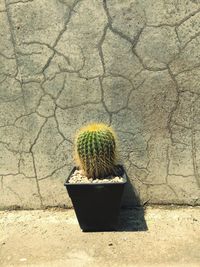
53 238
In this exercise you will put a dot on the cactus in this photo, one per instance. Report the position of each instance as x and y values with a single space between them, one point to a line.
95 150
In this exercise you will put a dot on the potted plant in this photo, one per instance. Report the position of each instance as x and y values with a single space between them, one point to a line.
96 184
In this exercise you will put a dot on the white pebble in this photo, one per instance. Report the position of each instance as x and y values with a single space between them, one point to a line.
79 177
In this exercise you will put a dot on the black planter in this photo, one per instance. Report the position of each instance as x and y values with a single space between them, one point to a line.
97 206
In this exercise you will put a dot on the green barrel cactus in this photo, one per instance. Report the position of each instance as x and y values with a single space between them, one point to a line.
95 150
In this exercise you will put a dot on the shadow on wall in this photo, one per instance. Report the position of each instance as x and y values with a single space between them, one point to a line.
132 212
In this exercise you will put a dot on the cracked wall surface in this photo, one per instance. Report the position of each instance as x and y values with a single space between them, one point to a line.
134 64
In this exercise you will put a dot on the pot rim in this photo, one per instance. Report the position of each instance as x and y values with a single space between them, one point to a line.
95 184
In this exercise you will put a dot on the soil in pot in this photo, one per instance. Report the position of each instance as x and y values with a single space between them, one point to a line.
79 177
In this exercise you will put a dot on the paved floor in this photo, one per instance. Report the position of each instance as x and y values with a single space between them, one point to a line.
53 238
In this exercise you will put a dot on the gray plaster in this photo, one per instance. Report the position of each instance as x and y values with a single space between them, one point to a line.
134 65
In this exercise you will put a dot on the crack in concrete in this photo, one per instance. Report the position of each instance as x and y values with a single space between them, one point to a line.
144 65
53 172
148 152
10 100
65 69
177 35
187 70
140 180
115 31
191 39
178 23
1 183
4 78
128 96
137 37
167 174
54 50
63 3
10 174
103 102
6 57
34 164
78 105
194 150
57 147
99 46
20 167
15 193
188 91
173 110
38 135
37 182
76 2
18 74
19 2
58 128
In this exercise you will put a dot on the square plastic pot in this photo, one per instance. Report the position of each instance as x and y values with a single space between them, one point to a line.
97 206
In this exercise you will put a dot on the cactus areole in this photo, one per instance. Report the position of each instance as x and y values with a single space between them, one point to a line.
95 150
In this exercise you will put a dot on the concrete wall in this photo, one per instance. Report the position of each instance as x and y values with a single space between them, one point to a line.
134 64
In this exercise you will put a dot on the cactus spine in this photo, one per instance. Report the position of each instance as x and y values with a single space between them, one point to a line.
96 150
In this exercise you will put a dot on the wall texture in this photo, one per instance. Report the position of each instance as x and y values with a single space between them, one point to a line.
134 64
